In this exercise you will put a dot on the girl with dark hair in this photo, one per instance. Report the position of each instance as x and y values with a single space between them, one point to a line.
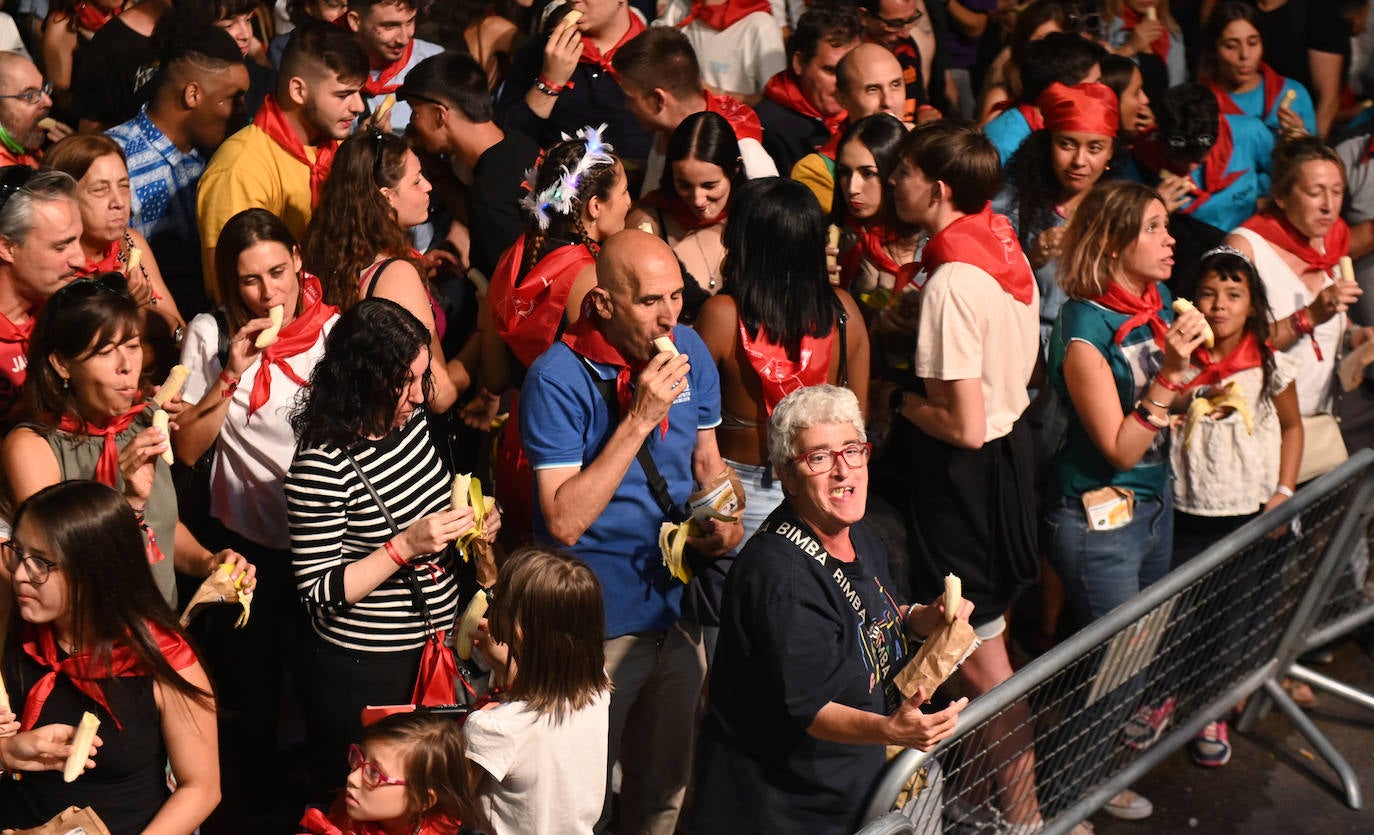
407 775
84 416
70 24
1145 31
1002 83
701 173
778 326
539 749
1233 67
73 646
579 198
358 242
367 499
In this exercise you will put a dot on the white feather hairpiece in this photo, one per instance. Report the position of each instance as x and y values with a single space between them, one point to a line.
559 196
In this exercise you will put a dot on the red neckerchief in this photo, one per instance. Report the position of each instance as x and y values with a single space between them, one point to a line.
724 15
1214 176
1246 355
29 157
527 315
337 822
84 671
780 374
1160 45
109 262
1271 83
592 55
1141 310
783 89
383 83
986 241
872 238
10 332
1034 118
90 17
740 115
831 149
668 200
297 337
1278 230
586 340
272 121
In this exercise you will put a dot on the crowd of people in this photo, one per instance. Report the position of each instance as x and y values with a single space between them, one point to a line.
677 283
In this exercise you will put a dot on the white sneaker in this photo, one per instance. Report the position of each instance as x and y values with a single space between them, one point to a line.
1130 806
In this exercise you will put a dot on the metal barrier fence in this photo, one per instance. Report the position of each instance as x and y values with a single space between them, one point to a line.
1068 731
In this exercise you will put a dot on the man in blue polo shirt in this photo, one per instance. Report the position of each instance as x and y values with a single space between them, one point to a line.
587 406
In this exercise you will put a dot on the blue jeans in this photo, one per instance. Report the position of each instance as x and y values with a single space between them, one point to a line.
1103 569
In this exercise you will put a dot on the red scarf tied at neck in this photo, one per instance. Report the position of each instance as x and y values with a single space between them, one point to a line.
108 263
987 241
724 15
592 55
784 89
586 340
1160 45
1275 227
1246 355
1271 83
337 822
272 121
1144 309
85 671
386 82
667 200
871 239
297 337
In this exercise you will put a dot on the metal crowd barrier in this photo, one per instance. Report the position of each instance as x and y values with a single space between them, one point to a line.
1228 624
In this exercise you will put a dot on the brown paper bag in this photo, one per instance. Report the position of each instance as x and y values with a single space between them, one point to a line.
937 659
71 821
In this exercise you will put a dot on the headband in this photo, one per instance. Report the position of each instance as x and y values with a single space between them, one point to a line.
558 197
1084 108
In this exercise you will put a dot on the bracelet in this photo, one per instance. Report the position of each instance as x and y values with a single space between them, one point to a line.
231 385
547 87
1167 383
1302 322
1284 490
1151 421
1157 404
395 554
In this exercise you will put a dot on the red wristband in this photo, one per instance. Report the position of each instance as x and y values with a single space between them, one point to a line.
1143 422
231 385
1167 383
553 88
394 554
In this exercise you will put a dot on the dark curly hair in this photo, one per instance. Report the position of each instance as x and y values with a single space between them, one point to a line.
355 386
1035 189
567 228
1232 266
354 223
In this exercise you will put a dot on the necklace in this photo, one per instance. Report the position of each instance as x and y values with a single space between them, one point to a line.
712 272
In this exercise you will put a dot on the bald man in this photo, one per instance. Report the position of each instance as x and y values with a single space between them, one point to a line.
868 81
595 409
25 100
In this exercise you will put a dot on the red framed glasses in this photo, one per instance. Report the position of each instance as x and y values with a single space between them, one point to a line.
372 775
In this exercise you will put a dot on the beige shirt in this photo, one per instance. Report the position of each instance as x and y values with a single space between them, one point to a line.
973 329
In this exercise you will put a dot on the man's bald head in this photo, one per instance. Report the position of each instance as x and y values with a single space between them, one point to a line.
638 293
869 80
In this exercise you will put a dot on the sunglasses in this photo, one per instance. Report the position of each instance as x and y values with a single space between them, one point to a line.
1185 144
895 24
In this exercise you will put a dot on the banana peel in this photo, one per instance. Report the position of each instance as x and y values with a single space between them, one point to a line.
218 588
720 500
1232 398
481 505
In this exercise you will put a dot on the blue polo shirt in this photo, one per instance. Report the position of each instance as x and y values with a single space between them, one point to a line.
565 422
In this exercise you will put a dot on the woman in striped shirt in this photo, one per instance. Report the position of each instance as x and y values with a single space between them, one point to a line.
367 499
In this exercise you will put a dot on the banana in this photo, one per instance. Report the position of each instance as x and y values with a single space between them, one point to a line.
135 258
954 591
176 378
160 421
81 747
646 226
1289 98
1182 306
467 492
1347 266
384 108
245 596
1232 398
570 19
458 493
467 624
663 344
47 124
833 242
1151 14
672 539
269 336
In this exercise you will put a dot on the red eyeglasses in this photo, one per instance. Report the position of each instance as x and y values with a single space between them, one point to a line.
372 775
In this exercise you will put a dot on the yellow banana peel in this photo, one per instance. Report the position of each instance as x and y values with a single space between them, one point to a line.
481 506
1232 398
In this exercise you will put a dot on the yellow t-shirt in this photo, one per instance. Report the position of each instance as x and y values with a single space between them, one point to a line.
250 171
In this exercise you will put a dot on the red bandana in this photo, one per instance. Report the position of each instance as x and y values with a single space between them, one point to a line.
724 15
383 84
109 262
592 55
587 340
1246 355
784 89
1160 46
91 17
272 121
872 237
1272 84
1029 112
669 201
1141 310
527 315
1278 230
987 241
1085 108
740 115
337 822
780 374
10 332
297 337
85 672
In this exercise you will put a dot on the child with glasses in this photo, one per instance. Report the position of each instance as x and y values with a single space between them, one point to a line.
407 775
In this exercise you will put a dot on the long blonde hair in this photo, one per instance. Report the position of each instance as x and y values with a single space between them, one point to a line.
1104 224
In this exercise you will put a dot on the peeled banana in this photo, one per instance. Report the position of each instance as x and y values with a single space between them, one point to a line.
1289 97
176 378
467 624
160 421
466 491
1182 306
954 597
135 258
269 335
81 747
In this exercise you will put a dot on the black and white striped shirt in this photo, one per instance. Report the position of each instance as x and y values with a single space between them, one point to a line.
334 521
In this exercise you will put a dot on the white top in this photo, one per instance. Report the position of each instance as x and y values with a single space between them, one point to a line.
542 776
251 457
10 41
971 329
739 60
1225 470
1287 293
